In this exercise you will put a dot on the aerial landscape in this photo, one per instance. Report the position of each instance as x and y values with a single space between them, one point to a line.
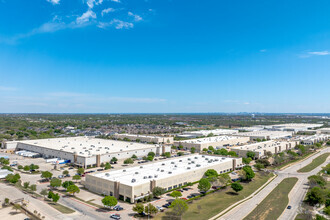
165 110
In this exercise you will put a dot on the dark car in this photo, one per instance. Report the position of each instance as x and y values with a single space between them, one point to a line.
289 207
166 205
185 189
99 169
180 190
118 208
71 168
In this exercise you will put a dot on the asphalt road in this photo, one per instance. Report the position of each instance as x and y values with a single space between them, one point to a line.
295 197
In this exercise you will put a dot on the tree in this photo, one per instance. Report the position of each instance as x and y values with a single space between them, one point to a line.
46 174
317 180
33 187
176 194
236 186
16 206
134 156
65 172
211 148
315 196
179 206
109 201
6 201
20 167
26 168
205 149
139 208
76 177
150 158
107 166
34 167
66 184
26 185
44 192
158 191
204 185
192 150
259 166
248 173
250 154
232 153
55 182
13 178
150 209
73 189
320 217
55 197
151 154
114 160
211 172
129 161
167 154
246 160
224 179
50 194
81 171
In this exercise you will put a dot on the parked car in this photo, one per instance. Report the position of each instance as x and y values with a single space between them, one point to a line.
118 208
60 176
68 175
166 205
215 187
289 207
115 216
180 190
185 189
99 169
184 198
71 168
161 209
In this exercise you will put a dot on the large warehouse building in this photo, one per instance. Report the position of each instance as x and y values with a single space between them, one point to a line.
261 148
265 134
146 138
295 127
217 141
134 183
200 133
86 151
313 139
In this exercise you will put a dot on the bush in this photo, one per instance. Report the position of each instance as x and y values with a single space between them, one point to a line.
259 166
211 172
236 186
246 160
315 196
129 161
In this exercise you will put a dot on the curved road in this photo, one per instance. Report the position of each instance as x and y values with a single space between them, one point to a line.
296 195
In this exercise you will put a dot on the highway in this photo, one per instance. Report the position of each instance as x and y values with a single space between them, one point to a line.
295 197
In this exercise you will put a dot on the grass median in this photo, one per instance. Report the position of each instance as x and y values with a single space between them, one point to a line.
315 163
275 203
61 208
214 203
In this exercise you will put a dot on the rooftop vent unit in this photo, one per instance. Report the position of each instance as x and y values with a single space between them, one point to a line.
163 164
196 157
206 158
80 144
216 160
189 158
145 177
172 162
156 176
192 161
198 165
141 167
162 171
136 172
175 166
107 174
223 158
133 180
124 170
188 168
72 147
180 160
121 149
169 172
203 156
150 177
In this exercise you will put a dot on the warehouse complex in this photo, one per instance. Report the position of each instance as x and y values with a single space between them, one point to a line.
265 135
137 182
216 142
146 138
323 130
295 127
261 148
310 140
86 151
201 133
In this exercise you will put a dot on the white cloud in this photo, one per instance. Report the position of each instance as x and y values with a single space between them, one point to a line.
86 17
136 17
319 53
118 1
119 24
54 2
107 10
7 89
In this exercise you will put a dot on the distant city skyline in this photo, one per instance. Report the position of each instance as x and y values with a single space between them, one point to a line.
125 56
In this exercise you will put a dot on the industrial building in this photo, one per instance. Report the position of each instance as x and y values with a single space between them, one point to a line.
137 182
86 151
260 148
323 130
310 140
265 135
205 133
253 128
295 127
216 142
145 138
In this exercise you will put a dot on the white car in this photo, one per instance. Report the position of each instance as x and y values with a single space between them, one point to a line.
160 208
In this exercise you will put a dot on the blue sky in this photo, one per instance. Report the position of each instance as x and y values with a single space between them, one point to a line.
124 56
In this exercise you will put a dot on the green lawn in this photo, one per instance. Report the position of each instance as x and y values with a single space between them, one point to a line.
315 163
61 208
212 204
275 203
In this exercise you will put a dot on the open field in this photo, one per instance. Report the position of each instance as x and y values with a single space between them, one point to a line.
315 163
61 208
214 203
275 203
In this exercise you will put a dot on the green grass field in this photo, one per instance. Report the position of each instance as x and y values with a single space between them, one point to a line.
315 163
212 204
61 208
275 203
